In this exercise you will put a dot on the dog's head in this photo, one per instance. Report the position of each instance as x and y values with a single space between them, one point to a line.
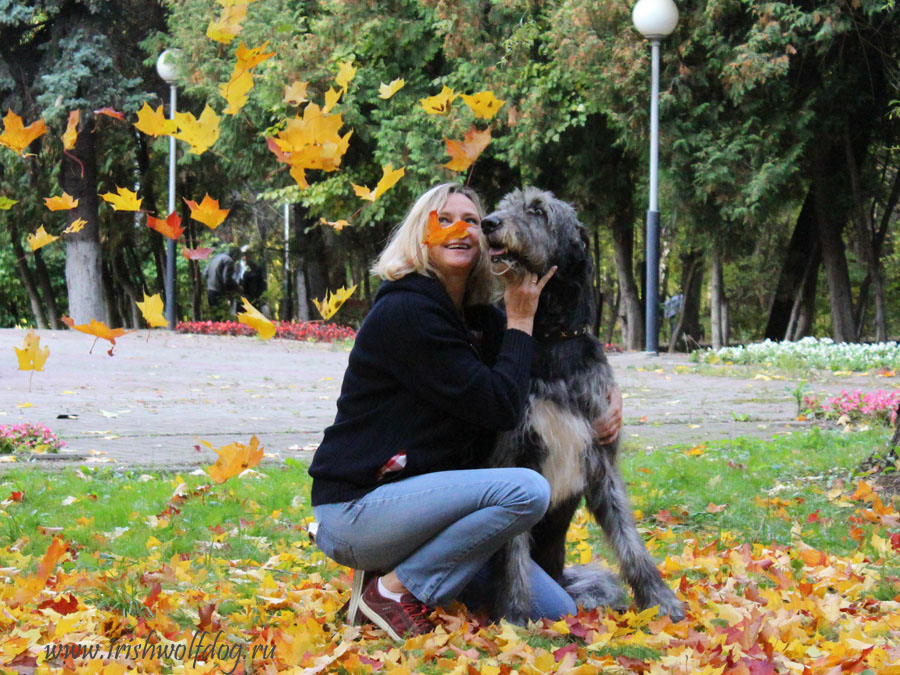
530 231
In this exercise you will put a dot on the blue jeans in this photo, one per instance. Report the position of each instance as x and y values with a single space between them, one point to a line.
438 532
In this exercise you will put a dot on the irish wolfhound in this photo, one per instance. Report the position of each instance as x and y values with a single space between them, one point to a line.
530 231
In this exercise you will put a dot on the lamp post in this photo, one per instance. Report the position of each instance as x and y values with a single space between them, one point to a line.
165 66
654 19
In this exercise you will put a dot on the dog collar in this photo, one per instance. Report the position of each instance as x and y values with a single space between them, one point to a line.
557 334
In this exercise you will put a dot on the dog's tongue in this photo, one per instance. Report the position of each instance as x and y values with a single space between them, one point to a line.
495 250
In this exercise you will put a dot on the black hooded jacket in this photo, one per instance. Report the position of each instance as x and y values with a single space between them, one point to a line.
420 383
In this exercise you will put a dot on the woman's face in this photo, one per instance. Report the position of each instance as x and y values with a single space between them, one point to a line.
458 256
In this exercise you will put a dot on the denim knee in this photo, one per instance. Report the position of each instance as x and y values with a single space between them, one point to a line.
536 491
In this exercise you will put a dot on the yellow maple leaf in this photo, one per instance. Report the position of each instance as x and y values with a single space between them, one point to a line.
76 226
338 225
6 203
125 200
484 104
388 179
235 91
250 58
40 239
464 153
200 132
311 142
331 98
295 93
63 203
346 73
16 136
253 317
332 302
70 135
207 212
228 25
385 91
153 311
439 104
32 356
99 330
233 459
154 122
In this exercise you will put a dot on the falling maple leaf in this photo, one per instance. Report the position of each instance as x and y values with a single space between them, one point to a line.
331 98
32 356
153 310
76 226
196 253
16 136
28 588
125 200
228 25
99 330
250 58
201 133
346 73
385 91
110 112
233 459
235 91
332 302
295 93
311 142
40 239
71 133
338 225
63 203
154 122
464 153
253 317
484 104
170 227
439 104
208 211
388 179
6 203
438 235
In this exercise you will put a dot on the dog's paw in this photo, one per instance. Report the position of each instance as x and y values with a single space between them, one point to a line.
668 604
592 586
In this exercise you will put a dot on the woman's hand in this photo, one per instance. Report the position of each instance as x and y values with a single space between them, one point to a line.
521 300
609 423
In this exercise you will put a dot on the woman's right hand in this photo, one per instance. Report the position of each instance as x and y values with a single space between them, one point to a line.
521 300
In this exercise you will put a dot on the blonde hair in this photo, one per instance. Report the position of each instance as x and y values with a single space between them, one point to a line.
405 252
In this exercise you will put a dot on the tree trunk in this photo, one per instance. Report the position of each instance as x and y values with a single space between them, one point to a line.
613 318
803 309
26 276
790 280
301 295
718 303
83 260
632 309
43 278
691 288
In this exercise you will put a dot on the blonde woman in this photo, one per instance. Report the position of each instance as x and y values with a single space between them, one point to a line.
435 372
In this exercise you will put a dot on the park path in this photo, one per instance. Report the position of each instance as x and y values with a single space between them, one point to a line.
151 403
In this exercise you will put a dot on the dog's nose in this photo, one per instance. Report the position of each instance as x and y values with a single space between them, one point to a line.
490 223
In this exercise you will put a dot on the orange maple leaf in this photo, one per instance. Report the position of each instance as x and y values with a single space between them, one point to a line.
63 203
233 459
438 235
71 133
464 153
170 227
207 212
16 136
99 330
110 112
35 584
196 253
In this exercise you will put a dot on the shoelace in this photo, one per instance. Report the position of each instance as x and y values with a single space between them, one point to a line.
418 612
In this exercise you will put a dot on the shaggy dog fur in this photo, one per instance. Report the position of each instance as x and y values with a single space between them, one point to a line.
531 231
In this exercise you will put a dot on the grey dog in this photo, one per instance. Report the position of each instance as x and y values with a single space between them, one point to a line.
531 231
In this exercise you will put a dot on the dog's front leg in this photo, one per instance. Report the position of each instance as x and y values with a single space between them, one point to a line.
608 502
513 601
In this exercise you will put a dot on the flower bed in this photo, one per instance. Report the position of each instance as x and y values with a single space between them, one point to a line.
312 331
809 352
28 437
878 406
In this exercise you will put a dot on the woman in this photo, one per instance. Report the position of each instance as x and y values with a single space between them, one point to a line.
435 372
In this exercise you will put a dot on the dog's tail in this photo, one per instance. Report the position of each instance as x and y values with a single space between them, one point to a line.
593 586
513 601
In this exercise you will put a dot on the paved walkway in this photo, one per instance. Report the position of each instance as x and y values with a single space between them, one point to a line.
152 402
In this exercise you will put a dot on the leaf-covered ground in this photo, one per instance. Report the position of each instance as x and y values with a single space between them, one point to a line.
787 569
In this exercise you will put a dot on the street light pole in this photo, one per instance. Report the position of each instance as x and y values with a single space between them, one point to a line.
654 19
166 69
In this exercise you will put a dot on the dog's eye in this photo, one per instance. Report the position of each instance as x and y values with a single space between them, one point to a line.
536 211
